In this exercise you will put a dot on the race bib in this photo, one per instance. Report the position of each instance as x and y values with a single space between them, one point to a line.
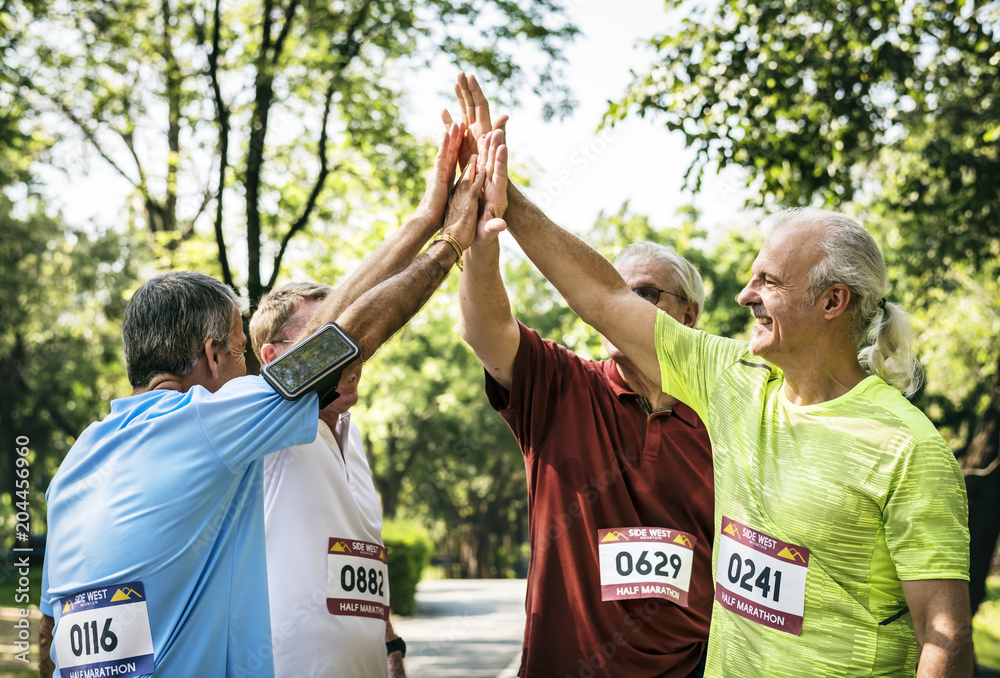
761 578
645 562
104 632
357 579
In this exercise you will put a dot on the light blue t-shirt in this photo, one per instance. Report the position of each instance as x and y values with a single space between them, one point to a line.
166 492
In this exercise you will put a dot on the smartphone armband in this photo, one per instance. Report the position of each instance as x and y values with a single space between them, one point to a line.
313 364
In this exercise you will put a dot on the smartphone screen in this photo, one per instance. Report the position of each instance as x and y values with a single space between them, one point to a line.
308 361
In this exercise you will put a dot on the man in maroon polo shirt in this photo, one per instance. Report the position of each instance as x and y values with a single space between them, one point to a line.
620 487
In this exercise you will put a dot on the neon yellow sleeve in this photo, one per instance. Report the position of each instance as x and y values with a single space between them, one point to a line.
927 515
691 361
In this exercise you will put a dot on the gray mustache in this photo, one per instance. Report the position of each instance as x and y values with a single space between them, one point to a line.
758 311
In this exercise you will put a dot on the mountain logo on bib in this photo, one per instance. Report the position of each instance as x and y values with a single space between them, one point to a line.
614 536
731 531
791 553
683 539
68 607
340 547
125 594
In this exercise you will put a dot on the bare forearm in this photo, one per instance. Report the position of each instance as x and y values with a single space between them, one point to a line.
393 255
587 280
379 313
45 665
946 655
396 668
485 320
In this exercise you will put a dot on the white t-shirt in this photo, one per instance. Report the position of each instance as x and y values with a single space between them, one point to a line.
316 498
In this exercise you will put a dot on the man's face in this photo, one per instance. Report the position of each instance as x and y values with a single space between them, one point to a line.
294 329
778 296
641 271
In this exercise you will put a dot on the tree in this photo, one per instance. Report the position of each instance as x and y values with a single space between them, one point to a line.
259 118
890 104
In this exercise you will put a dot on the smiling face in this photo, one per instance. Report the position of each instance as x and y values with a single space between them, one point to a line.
788 320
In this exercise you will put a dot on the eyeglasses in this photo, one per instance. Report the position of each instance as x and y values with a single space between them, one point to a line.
652 294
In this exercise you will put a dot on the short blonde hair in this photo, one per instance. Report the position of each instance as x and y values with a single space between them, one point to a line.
269 324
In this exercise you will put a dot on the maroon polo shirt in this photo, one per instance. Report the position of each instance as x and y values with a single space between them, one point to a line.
596 459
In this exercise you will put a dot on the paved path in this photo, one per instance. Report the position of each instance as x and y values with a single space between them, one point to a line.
469 628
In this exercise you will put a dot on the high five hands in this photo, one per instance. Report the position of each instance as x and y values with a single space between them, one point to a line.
485 144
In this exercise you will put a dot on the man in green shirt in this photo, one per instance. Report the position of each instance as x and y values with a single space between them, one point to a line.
842 543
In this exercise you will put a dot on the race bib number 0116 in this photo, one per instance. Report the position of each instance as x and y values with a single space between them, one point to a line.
645 562
761 578
357 579
104 632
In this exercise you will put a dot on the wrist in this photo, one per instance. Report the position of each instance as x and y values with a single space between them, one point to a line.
395 645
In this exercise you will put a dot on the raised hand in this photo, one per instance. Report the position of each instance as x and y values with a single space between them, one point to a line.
463 208
494 169
475 109
441 179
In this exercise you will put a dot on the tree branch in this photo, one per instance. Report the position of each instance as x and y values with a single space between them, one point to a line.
222 118
285 29
324 171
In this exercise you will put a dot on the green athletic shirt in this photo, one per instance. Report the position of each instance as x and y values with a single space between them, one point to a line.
864 482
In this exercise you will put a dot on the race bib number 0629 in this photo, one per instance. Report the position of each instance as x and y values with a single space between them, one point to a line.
760 577
645 562
104 632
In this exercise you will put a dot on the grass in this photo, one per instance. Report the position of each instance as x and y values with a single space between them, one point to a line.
986 626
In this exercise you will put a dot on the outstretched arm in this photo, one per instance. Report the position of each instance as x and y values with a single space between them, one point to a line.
400 248
485 320
381 311
589 283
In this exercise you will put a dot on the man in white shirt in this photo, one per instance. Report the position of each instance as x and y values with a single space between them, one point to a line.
326 566
320 512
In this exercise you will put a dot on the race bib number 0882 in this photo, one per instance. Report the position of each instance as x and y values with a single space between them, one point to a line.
357 579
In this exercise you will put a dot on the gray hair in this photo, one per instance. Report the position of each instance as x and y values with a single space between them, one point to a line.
169 319
269 324
852 257
691 286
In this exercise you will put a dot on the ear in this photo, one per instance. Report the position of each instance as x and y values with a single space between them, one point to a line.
690 314
212 356
835 300
268 352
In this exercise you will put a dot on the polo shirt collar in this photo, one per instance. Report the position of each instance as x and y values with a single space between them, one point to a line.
622 390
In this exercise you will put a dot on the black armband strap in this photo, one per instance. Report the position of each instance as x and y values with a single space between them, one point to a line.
395 644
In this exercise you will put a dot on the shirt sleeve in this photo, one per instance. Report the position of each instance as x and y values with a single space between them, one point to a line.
247 419
542 373
44 601
691 361
927 515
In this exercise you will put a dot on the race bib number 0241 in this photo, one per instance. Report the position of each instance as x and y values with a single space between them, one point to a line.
645 562
104 632
761 578
357 579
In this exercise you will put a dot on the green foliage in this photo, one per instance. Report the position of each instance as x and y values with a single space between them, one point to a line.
409 552
275 115
986 626
62 295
